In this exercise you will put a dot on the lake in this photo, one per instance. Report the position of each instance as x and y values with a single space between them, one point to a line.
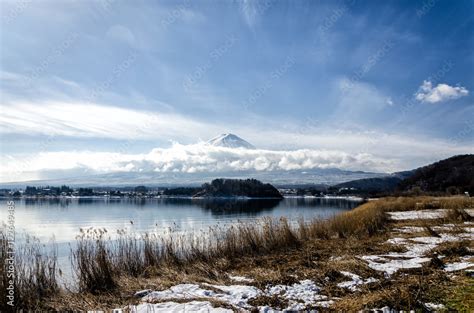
60 220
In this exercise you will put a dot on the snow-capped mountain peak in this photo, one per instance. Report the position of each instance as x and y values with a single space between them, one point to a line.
230 141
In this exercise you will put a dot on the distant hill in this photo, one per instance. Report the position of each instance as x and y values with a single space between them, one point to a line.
376 185
372 185
322 176
251 188
453 175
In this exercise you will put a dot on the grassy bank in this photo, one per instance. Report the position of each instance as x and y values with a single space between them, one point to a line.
271 251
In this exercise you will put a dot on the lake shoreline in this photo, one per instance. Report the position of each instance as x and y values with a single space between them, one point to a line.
355 198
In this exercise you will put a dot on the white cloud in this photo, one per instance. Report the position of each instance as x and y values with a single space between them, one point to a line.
440 93
205 159
194 158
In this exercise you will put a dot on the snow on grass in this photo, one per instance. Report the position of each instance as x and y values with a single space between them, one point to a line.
299 295
193 306
241 279
355 282
413 249
397 241
182 291
433 306
409 229
142 293
436 240
416 249
422 214
457 266
391 266
306 292
386 309
237 295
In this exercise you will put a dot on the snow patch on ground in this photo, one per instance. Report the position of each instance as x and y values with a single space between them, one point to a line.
418 247
299 296
433 306
193 306
409 229
419 214
241 279
305 293
182 291
391 266
397 241
237 295
422 214
457 266
355 282
415 254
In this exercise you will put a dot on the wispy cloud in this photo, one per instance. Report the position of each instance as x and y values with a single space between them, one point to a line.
96 121
440 93
252 10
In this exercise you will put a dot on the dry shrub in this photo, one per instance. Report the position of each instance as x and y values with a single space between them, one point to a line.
35 272
458 215
365 220
92 261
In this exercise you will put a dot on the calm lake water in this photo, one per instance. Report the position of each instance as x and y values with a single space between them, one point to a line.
60 220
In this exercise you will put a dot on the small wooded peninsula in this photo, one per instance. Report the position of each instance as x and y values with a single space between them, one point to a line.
229 188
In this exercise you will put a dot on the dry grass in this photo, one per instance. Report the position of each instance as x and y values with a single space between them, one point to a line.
92 262
98 261
35 278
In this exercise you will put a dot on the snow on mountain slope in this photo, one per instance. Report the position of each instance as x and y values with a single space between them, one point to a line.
230 141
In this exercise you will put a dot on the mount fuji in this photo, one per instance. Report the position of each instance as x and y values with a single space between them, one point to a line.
230 141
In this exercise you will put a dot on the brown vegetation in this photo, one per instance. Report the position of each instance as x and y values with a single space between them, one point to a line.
109 268
34 277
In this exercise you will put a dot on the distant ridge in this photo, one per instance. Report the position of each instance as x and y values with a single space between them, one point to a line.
229 140
452 175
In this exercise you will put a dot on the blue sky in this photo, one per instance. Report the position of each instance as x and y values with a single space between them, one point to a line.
389 80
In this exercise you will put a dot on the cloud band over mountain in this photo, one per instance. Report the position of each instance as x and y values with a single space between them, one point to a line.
195 158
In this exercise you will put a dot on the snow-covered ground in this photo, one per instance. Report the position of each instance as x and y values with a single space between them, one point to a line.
418 247
355 282
167 307
422 214
299 295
